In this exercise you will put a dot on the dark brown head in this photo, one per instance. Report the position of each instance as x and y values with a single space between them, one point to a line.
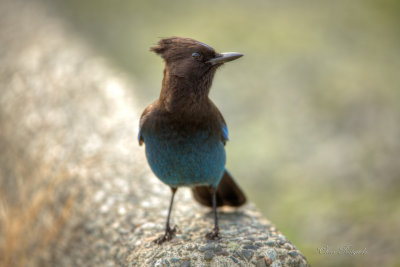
191 60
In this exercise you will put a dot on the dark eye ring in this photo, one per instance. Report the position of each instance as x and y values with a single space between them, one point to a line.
196 55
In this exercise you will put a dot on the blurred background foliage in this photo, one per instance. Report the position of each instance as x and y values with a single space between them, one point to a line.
313 108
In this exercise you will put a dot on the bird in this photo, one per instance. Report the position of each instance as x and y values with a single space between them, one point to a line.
184 132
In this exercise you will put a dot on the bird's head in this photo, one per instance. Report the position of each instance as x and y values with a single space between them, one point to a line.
191 59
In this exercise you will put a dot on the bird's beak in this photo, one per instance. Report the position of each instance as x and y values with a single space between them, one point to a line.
224 57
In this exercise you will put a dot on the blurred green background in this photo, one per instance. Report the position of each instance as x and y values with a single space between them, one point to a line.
313 107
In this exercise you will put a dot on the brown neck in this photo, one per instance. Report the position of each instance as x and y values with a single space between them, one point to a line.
181 94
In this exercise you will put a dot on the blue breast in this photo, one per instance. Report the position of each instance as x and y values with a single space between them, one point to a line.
186 159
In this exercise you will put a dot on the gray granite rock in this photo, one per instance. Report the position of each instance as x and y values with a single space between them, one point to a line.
208 255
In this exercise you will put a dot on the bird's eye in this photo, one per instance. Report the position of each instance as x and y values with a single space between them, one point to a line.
196 55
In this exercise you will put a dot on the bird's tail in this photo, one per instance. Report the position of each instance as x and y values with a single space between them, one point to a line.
228 193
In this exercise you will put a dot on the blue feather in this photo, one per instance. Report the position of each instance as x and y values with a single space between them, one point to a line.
186 160
140 135
225 133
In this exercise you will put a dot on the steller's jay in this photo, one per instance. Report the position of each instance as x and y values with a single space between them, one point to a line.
184 131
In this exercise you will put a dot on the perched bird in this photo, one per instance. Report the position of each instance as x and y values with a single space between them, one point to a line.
185 133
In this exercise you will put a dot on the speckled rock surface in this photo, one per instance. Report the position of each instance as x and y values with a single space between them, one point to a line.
247 240
84 111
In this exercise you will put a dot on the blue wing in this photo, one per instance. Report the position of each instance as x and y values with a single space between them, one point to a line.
142 122
225 134
140 138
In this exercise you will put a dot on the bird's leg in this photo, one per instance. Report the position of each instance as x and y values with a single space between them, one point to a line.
169 232
214 234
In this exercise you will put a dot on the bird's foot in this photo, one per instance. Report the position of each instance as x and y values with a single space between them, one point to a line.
213 235
169 234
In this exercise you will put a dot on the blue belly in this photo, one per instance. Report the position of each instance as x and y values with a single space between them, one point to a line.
197 159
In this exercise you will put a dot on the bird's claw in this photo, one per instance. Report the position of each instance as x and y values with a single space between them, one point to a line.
213 235
169 234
